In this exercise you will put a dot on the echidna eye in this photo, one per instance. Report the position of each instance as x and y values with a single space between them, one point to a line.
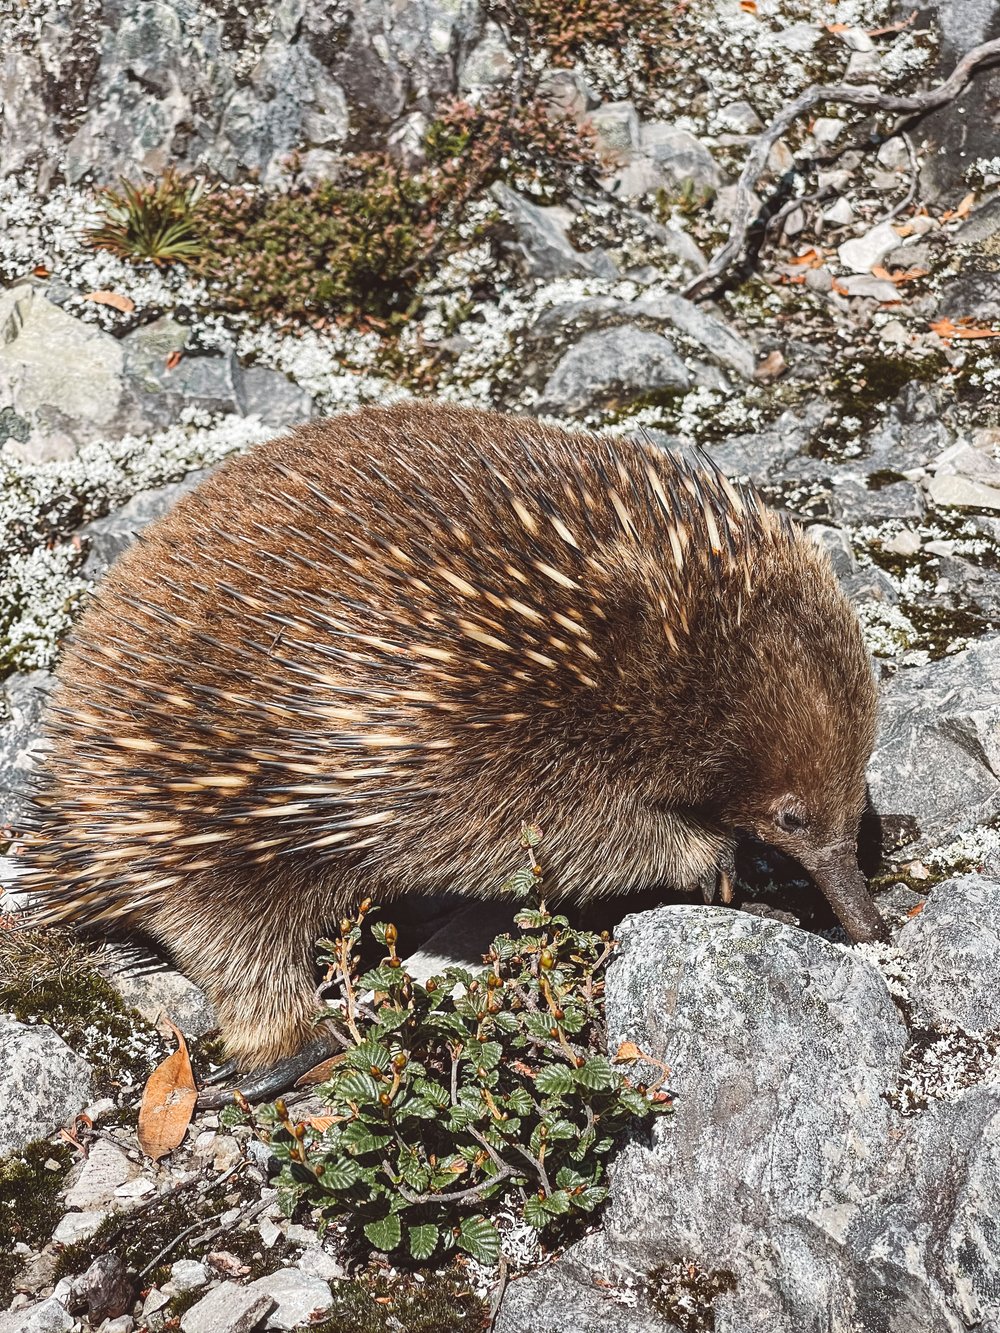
790 822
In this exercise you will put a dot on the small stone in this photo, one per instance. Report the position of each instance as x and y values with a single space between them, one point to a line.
856 38
905 543
839 214
616 125
135 1189
270 1232
619 364
105 1289
297 1297
893 154
740 117
794 222
962 491
866 284
95 1181
827 129
43 1083
819 279
315 1262
155 1300
771 367
75 1227
680 155
862 65
894 332
188 1275
50 1316
228 1308
780 159
861 254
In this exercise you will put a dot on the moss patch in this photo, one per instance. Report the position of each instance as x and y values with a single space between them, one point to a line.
30 1206
48 977
442 1304
685 1294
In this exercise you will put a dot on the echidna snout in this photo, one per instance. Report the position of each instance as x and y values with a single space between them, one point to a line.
354 660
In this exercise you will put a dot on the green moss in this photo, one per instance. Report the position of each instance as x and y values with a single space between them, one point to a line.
860 393
48 977
443 1304
30 1206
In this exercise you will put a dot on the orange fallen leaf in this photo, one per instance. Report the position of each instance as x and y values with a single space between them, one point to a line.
837 27
168 1101
173 360
41 271
627 1052
113 299
915 911
900 275
321 1072
947 329
748 6
812 258
963 209
321 1123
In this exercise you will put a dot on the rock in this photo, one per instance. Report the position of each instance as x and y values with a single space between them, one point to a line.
680 156
938 749
876 289
827 129
893 154
906 542
753 1175
489 62
273 397
948 489
739 117
228 1308
543 248
155 990
616 125
620 365
49 1316
968 460
188 1275
62 376
973 295
23 698
92 1184
43 1083
297 1297
722 343
861 254
952 957
315 1262
462 940
104 1289
107 538
982 225
77 1227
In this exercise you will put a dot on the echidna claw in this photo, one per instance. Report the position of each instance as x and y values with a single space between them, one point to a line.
263 1085
719 880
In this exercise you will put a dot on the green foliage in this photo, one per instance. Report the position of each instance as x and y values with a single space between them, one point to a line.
30 1207
155 221
344 247
474 1088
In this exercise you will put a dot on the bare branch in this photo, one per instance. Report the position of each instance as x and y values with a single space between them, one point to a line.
865 95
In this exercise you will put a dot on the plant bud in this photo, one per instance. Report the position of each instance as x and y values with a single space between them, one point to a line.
545 959
400 1060
391 934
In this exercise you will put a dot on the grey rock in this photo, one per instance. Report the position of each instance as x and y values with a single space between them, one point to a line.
228 1308
616 125
62 376
23 698
861 254
962 492
543 248
740 117
462 940
77 1227
107 538
620 364
42 1083
315 1262
952 952
92 1184
490 61
752 1174
937 755
188 1275
49 1316
297 1297
982 226
157 991
680 156
973 295
106 1292
273 397
875 289
722 343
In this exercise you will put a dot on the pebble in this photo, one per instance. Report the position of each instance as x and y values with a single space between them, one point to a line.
906 542
861 254
228 1308
75 1227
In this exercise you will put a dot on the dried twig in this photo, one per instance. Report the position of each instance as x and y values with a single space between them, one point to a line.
866 95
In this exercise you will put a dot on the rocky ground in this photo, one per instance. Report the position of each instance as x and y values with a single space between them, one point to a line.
832 1159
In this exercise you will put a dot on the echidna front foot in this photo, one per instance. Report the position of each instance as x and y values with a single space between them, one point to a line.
259 1085
717 881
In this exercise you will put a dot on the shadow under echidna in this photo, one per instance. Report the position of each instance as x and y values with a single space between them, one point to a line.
357 658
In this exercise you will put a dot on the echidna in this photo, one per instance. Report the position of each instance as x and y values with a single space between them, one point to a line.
356 658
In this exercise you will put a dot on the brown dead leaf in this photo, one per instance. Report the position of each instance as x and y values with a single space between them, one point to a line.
174 359
113 299
321 1072
321 1123
167 1102
900 275
915 911
837 27
963 209
42 271
748 6
946 329
627 1052
811 258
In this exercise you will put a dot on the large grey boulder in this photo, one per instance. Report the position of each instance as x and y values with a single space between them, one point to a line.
614 365
951 951
781 1046
43 1083
937 756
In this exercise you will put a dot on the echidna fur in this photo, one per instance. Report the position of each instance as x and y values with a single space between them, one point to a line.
356 658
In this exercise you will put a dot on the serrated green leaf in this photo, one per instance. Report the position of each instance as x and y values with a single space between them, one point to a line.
382 978
432 1092
390 1019
555 1080
519 1100
568 1179
534 1213
480 1238
385 1233
460 1117
423 1241
414 1172
419 1108
483 1054
538 1025
596 1074
358 1138
370 1054
588 1199
557 1203
340 1173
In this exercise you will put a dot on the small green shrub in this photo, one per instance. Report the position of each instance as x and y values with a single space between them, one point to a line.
476 1087
155 221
